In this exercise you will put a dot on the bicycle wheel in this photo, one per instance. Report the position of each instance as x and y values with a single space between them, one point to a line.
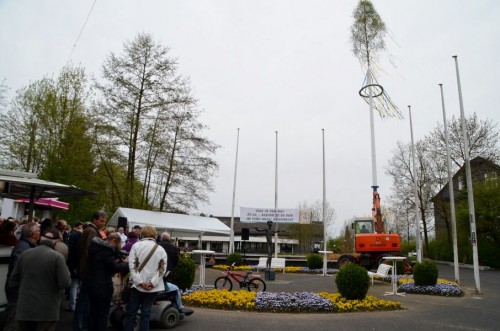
223 283
256 285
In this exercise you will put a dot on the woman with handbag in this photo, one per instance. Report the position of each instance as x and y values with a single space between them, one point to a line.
147 263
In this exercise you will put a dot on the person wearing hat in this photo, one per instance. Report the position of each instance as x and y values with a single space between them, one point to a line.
42 275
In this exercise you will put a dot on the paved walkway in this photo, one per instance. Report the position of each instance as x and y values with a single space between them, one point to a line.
421 312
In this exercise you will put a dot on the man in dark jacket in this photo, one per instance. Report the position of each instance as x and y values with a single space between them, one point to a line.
173 255
74 242
92 229
42 275
29 237
173 259
103 263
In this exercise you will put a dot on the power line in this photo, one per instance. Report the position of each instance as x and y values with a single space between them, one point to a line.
81 31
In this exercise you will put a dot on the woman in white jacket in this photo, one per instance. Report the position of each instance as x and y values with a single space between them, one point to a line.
147 276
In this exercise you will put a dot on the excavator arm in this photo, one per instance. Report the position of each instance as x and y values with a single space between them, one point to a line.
377 212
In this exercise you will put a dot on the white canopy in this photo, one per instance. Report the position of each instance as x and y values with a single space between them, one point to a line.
178 225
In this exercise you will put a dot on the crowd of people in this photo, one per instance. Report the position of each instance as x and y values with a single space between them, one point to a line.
51 259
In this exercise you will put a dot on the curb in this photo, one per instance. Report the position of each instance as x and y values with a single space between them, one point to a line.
463 265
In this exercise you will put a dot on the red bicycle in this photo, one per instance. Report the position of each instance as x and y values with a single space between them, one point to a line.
253 283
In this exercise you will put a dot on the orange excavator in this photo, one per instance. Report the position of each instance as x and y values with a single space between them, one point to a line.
372 242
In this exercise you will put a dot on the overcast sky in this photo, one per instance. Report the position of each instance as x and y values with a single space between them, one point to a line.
286 66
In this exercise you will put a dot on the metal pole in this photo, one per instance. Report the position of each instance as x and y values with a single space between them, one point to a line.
451 191
470 193
231 240
415 183
324 209
276 198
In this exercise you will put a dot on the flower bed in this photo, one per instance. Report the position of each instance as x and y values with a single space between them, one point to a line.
285 302
370 303
443 287
405 282
292 302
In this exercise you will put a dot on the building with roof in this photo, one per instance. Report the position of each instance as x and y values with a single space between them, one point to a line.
481 169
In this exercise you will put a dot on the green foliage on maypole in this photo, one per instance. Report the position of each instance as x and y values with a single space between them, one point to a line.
367 36
367 32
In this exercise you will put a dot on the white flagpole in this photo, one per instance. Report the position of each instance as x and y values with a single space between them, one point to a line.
415 183
324 210
276 198
470 194
231 241
451 191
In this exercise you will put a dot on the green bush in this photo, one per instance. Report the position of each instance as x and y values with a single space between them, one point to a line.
408 246
440 250
314 261
400 266
352 282
489 253
234 258
425 273
183 273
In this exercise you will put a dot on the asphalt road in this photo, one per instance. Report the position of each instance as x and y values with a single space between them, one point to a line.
421 312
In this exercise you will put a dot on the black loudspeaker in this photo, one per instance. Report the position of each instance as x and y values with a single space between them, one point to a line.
245 233
122 223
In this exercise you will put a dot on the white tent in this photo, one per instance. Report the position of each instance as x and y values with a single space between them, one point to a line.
178 225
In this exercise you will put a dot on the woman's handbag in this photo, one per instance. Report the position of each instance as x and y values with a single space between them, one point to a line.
126 291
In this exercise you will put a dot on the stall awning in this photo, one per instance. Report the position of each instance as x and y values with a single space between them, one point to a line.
25 188
25 185
53 203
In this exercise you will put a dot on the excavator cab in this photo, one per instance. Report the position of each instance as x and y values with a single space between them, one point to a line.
367 240
363 226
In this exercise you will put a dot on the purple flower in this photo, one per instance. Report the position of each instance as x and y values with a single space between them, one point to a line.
289 302
439 289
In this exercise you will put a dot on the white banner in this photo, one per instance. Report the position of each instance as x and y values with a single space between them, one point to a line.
262 215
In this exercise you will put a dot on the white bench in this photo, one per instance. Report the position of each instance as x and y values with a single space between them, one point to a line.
276 262
382 271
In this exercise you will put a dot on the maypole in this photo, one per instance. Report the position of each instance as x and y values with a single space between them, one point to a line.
367 36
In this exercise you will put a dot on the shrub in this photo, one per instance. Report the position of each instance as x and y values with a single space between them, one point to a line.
183 273
440 250
352 282
489 253
425 273
400 267
234 258
314 261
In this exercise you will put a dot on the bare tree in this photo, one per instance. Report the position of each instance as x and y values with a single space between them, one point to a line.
399 168
483 138
432 168
151 119
3 94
